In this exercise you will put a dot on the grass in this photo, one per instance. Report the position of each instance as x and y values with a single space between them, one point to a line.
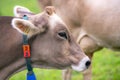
106 63
6 6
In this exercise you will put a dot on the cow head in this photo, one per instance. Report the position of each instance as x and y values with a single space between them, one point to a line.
52 44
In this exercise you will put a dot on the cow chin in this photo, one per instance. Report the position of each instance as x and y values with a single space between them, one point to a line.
49 66
82 65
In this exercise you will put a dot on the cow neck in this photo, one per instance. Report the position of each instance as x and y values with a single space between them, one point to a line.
27 55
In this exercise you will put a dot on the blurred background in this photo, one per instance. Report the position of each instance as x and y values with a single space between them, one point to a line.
106 63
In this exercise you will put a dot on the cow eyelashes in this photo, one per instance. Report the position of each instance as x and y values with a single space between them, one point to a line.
63 35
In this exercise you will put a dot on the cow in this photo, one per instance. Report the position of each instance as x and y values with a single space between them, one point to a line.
51 43
95 24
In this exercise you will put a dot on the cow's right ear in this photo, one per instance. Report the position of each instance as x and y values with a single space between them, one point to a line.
20 11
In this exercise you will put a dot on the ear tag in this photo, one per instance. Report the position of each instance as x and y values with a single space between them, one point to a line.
25 17
26 50
26 30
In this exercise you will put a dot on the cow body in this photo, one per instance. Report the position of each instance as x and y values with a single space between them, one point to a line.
94 18
10 49
94 23
46 34
102 23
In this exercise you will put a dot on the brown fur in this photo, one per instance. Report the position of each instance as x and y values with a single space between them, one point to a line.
94 22
48 49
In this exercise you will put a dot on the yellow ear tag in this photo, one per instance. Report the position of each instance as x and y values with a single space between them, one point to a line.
26 30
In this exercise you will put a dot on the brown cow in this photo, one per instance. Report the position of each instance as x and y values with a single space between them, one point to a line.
52 45
94 23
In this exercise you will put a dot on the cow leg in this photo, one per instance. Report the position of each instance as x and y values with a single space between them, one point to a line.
67 74
89 47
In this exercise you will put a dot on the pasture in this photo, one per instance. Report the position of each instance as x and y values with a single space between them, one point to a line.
106 63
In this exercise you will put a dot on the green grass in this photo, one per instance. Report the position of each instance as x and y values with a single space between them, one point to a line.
106 63
6 6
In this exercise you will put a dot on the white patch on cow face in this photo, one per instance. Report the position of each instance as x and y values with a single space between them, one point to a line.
54 19
81 65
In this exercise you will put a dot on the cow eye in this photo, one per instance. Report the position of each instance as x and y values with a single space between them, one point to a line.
63 35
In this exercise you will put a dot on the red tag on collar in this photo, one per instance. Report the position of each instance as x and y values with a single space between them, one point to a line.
26 51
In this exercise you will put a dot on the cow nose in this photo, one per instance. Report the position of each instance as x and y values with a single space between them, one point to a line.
88 63
82 65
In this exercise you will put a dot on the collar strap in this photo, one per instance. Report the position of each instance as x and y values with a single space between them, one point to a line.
26 47
26 51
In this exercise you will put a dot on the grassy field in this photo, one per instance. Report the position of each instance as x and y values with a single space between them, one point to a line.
106 63
6 6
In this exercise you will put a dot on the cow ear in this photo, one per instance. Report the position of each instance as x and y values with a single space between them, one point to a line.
20 11
24 27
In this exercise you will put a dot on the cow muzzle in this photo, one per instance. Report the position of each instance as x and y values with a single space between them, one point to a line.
82 65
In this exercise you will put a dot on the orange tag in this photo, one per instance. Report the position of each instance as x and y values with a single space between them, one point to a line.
26 50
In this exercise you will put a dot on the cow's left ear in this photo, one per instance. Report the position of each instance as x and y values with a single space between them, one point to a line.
24 27
20 11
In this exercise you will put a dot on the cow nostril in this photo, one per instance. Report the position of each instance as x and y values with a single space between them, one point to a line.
88 64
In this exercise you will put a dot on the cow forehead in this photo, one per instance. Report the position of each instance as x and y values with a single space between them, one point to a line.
54 19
